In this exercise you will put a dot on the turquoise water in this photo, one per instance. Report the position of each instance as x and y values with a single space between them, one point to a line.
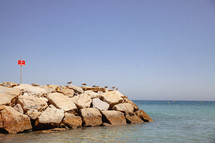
174 122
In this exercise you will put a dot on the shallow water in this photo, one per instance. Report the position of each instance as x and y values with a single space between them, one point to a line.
179 122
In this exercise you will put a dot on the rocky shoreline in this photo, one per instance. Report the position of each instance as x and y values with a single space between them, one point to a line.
25 107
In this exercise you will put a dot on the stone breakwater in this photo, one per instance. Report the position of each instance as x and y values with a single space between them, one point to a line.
25 107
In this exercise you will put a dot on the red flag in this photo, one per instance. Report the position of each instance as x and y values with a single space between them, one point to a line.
21 62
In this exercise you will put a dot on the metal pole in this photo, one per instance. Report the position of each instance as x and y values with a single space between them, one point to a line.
21 74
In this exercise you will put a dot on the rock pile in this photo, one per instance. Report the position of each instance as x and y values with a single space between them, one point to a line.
25 107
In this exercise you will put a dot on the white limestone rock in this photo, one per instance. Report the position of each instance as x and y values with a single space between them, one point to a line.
31 102
101 105
61 101
7 94
82 101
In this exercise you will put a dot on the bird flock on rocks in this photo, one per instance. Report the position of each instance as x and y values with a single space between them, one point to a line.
84 84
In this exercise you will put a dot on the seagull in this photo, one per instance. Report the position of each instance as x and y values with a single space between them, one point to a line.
84 84
70 82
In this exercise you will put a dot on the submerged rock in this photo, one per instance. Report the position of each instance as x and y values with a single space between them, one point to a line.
13 121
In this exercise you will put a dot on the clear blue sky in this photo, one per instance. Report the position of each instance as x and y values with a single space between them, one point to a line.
150 49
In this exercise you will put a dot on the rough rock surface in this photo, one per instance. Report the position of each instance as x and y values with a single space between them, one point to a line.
134 119
9 84
124 107
82 101
140 113
76 88
126 100
18 108
101 105
50 118
49 88
63 107
33 114
65 91
111 97
13 121
94 89
31 102
114 117
119 93
7 94
72 121
32 90
91 117
61 101
92 94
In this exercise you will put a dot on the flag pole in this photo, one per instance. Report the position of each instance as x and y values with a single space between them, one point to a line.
20 74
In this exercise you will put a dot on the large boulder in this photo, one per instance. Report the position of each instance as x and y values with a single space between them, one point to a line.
72 121
32 90
7 94
50 118
76 88
111 97
114 117
32 102
124 107
140 113
126 100
91 117
12 121
101 105
65 91
134 119
61 101
92 94
82 101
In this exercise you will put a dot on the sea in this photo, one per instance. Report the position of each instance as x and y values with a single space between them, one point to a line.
174 122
